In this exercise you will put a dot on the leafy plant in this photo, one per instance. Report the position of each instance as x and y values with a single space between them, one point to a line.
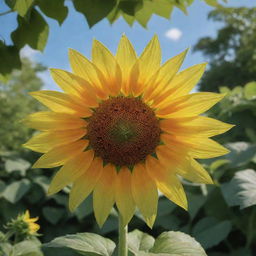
33 29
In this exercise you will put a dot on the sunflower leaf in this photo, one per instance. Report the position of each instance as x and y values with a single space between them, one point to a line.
177 244
85 244
139 241
26 248
168 243
210 232
14 192
241 190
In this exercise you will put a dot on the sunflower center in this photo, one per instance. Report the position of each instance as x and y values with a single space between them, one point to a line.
123 131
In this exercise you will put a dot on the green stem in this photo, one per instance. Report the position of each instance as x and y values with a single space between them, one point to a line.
122 238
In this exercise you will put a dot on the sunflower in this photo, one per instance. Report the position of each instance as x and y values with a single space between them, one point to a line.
32 227
124 128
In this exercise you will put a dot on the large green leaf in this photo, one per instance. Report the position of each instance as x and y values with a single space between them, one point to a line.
241 190
5 248
33 32
16 190
177 244
168 243
85 243
27 248
139 241
54 9
210 232
10 59
94 10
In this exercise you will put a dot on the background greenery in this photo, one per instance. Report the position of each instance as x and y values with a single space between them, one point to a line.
222 217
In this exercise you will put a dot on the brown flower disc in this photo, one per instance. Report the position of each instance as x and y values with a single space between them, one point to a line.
123 131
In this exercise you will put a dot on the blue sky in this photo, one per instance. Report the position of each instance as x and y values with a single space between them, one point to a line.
184 31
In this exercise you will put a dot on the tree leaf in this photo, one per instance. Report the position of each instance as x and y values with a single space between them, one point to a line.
10 58
139 241
85 243
26 248
33 32
94 10
210 232
241 190
20 6
16 190
177 244
130 7
54 9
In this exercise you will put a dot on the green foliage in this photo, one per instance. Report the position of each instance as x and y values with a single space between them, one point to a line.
210 232
33 28
139 243
34 33
232 52
241 190
239 108
85 244
16 105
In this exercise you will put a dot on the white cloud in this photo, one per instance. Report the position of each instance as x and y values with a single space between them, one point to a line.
173 34
28 52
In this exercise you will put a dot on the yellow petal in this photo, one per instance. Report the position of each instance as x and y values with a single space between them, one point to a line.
164 76
45 141
148 63
199 126
60 155
126 57
180 85
31 220
75 85
84 68
144 193
72 170
124 199
54 121
62 103
190 105
26 215
33 227
167 182
150 59
191 170
171 157
83 186
104 194
108 65
197 147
